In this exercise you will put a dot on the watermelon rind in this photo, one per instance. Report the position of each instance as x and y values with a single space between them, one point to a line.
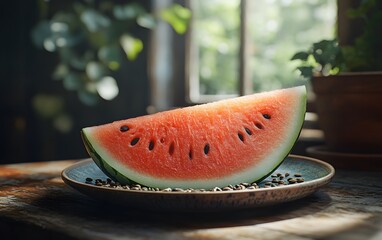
269 164
102 164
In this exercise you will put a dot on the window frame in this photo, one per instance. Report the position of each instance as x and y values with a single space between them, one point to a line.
184 87
193 95
245 85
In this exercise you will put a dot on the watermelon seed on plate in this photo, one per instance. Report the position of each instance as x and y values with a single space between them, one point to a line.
299 180
245 184
134 141
124 128
151 145
275 182
206 149
248 131
292 180
241 137
266 116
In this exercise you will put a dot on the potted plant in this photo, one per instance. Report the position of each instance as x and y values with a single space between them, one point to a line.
347 83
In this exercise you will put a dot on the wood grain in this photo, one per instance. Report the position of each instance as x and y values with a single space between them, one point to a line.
34 200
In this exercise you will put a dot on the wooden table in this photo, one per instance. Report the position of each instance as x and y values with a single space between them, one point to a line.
36 204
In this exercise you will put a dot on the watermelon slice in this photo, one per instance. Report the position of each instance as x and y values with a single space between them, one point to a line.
231 141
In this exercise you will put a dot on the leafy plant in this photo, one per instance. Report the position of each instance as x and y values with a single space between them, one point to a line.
93 37
328 57
323 58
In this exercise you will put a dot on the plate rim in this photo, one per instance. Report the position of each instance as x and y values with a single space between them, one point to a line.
318 182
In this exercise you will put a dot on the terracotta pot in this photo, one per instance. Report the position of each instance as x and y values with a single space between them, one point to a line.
349 108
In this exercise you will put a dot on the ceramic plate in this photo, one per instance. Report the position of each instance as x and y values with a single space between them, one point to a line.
315 173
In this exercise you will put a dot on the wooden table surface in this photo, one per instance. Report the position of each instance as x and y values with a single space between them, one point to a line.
36 204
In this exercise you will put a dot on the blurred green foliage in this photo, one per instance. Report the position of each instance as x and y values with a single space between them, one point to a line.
286 27
92 39
323 58
216 29
327 57
277 29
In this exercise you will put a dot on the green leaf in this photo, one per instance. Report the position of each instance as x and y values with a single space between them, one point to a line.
132 46
70 57
111 56
306 71
326 69
95 70
334 71
300 56
94 20
177 16
146 21
326 51
88 98
324 44
128 11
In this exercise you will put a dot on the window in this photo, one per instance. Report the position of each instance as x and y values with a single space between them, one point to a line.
238 47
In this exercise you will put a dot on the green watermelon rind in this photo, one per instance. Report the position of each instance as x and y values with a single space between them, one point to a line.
102 164
272 162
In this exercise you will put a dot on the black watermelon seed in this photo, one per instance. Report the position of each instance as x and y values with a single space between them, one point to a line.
190 154
206 149
259 126
171 149
151 145
134 141
241 137
248 131
267 116
124 128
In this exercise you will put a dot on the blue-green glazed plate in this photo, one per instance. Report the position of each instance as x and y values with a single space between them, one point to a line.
315 173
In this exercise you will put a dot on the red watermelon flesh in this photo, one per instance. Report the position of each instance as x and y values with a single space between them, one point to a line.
216 144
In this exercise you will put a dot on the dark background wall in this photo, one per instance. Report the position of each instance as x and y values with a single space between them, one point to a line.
26 71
